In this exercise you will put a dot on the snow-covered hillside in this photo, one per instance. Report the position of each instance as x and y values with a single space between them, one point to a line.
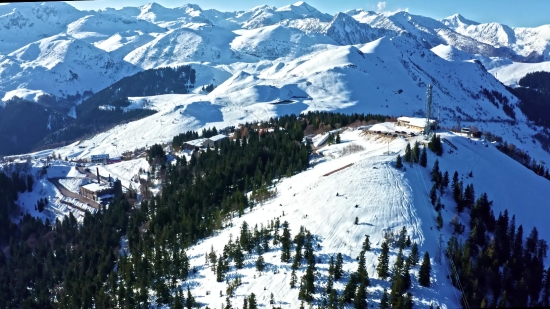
383 199
511 73
451 53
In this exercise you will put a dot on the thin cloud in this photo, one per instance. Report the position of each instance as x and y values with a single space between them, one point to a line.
381 6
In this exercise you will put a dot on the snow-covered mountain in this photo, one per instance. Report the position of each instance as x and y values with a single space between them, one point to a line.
428 30
153 35
532 43
277 41
94 28
354 61
388 76
59 65
23 23
197 42
266 15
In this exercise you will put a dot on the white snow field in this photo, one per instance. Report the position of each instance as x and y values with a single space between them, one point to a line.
510 74
124 171
73 184
387 199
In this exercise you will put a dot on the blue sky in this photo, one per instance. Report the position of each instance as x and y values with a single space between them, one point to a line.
515 13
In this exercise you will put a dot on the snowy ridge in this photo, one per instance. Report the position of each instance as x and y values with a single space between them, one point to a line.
277 41
94 28
60 64
197 42
533 43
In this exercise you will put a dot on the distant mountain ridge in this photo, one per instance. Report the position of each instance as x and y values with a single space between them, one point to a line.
261 56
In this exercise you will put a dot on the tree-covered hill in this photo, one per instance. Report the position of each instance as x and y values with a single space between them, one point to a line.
534 93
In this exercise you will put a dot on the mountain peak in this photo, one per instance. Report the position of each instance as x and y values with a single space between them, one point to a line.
191 7
458 20
300 7
151 7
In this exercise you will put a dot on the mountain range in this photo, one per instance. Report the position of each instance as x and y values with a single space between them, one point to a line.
351 61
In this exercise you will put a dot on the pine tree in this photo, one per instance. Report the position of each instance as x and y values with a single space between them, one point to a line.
416 152
435 172
350 288
245 303
439 220
338 267
338 138
408 241
384 300
260 264
408 302
398 163
414 257
271 300
285 244
178 300
383 268
330 284
333 299
408 154
252 304
406 274
433 194
190 300
293 279
424 272
362 269
502 302
445 182
366 243
360 299
30 182
424 157
228 303
220 276
238 257
356 221
402 238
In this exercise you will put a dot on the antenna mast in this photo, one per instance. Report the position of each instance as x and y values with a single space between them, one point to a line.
427 127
